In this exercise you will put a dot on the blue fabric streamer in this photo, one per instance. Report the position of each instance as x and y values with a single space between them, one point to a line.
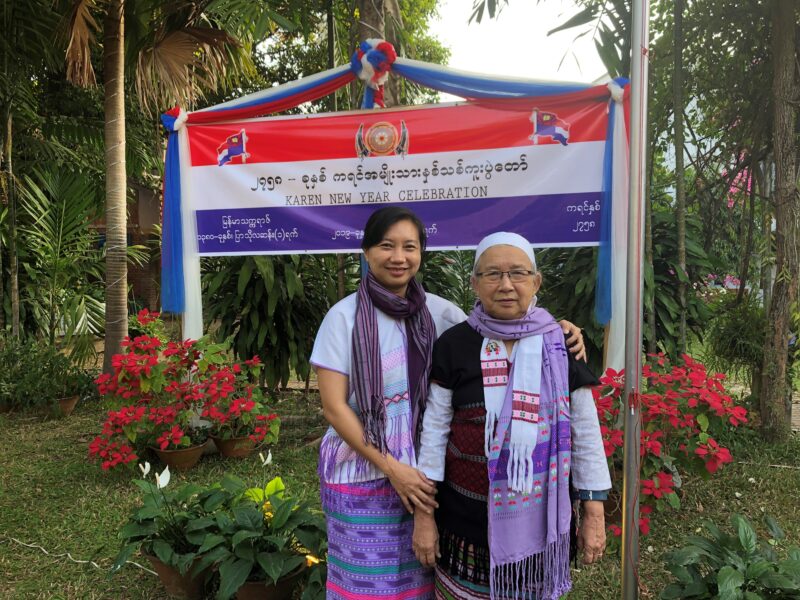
173 299
602 292
355 64
469 86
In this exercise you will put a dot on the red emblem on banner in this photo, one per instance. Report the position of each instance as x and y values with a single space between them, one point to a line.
382 139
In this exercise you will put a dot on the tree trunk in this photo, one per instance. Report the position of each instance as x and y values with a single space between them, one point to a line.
11 194
370 19
116 183
393 25
680 184
2 279
766 228
331 64
775 413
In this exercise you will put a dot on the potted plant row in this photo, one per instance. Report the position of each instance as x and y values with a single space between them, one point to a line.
170 397
248 543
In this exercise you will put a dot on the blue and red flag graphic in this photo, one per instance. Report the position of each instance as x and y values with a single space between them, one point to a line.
234 145
547 124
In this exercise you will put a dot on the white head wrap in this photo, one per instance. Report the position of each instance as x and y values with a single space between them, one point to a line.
503 238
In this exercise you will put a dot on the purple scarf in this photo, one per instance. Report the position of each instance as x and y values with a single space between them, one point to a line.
367 379
529 532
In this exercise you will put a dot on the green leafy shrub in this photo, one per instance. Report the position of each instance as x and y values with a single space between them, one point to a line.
570 274
735 336
271 306
34 375
240 534
723 566
447 274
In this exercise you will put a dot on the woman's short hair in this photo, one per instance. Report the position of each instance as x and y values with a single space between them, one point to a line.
382 219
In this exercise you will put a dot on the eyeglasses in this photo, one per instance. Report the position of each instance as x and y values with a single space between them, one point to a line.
515 275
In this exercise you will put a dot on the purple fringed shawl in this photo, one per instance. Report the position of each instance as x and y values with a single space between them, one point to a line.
367 371
529 532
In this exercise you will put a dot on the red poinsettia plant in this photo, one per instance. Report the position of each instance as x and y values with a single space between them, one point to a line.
160 390
234 403
682 407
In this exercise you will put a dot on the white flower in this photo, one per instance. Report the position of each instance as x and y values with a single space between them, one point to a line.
265 460
162 480
737 494
144 468
751 480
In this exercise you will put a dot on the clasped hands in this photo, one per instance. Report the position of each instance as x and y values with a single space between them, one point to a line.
415 490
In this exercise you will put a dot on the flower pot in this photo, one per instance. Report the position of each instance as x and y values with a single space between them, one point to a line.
181 459
261 590
177 585
67 405
238 447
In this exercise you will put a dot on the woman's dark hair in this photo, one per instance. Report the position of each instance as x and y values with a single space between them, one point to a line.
382 219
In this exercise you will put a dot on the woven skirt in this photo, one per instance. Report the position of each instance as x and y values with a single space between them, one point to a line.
369 544
453 587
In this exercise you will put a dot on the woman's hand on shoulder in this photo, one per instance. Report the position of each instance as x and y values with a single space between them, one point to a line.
414 489
592 533
574 338
425 541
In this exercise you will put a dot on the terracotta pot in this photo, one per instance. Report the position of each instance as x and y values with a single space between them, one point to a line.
177 585
239 447
67 405
261 590
182 459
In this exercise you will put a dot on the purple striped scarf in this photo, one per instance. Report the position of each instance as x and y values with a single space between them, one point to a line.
367 370
529 532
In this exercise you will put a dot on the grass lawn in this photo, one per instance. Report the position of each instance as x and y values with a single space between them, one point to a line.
51 496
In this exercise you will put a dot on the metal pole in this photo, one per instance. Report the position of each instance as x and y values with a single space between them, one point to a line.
633 305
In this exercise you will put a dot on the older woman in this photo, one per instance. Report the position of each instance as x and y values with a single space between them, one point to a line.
372 356
509 427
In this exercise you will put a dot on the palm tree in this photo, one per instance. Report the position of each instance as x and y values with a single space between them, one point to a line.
176 52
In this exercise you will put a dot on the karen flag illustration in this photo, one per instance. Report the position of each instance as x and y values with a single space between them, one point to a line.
233 146
547 124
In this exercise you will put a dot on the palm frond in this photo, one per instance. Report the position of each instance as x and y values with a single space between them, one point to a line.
184 64
65 266
84 322
81 28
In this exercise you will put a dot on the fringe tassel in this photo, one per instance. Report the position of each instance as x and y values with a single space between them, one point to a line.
374 423
545 576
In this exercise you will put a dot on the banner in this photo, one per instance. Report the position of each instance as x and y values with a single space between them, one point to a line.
308 183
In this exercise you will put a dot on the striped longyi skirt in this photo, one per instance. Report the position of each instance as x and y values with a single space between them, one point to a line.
369 544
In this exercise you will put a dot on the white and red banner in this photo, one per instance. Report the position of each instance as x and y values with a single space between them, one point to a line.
309 183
